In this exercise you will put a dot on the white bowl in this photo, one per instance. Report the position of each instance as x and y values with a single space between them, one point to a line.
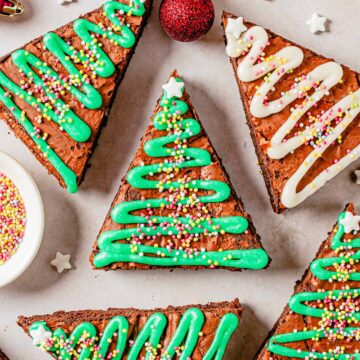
34 228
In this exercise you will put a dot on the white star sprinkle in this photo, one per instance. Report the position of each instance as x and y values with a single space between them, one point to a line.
236 27
173 88
61 262
40 335
317 23
357 174
63 2
350 222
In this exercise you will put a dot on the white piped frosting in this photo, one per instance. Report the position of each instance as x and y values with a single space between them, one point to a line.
252 44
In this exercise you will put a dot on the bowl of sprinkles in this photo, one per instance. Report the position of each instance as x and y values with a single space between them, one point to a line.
21 219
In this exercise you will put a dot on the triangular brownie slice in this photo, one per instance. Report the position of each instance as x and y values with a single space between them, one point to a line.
302 110
189 332
56 92
176 207
322 319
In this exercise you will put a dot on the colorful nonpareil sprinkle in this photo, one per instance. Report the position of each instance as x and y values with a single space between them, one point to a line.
12 218
176 224
118 341
45 89
334 313
313 121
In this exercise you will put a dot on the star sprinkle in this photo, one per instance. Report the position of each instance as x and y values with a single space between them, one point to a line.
236 27
173 88
357 174
350 222
61 262
40 335
317 23
63 2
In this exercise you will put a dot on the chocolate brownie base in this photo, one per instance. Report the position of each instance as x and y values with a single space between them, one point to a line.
277 172
233 206
308 283
213 312
75 155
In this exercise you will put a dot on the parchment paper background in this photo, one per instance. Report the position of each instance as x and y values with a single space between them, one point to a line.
73 221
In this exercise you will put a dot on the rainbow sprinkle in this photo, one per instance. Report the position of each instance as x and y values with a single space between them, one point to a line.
12 218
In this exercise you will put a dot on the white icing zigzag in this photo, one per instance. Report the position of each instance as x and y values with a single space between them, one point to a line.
320 80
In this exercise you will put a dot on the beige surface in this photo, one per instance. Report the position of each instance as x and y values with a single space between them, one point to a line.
72 221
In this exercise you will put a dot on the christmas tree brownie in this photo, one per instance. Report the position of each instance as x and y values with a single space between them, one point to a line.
56 92
188 332
176 207
302 110
322 318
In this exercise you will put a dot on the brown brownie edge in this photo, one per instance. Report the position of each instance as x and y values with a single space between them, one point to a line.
88 315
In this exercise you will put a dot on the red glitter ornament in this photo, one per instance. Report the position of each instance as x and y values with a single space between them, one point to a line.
186 20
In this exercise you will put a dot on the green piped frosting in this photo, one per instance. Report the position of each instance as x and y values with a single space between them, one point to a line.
54 108
141 177
84 343
325 269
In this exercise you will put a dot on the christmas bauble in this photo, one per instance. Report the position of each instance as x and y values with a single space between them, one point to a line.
186 20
